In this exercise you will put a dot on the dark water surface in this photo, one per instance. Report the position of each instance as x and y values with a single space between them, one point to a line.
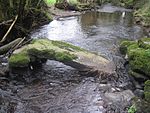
56 88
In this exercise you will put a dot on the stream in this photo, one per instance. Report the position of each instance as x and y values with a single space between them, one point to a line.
56 88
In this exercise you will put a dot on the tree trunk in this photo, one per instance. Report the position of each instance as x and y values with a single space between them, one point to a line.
4 49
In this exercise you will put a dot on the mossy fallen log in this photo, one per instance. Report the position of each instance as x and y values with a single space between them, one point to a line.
4 49
63 52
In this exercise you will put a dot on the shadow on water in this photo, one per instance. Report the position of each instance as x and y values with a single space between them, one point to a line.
56 88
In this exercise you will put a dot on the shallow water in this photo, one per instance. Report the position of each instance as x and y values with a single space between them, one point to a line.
57 88
99 32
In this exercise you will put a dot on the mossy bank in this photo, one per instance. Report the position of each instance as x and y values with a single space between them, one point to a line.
138 54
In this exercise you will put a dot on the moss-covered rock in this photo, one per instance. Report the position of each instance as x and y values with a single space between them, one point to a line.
144 43
143 13
138 54
124 45
139 60
19 60
147 90
140 106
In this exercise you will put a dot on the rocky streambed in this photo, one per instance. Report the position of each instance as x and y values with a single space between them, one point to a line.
57 88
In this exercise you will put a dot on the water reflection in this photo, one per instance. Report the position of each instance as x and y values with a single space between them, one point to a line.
99 32
106 19
79 27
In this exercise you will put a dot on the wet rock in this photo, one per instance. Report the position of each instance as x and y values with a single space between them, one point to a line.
137 76
137 84
124 96
147 91
141 106
139 93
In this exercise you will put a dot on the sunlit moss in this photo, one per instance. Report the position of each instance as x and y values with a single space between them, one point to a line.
132 109
43 49
138 55
67 46
144 43
124 45
19 60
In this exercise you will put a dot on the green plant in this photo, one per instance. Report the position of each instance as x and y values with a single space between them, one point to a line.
132 109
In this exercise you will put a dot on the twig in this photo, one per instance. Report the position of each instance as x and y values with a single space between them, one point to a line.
4 38
18 44
14 48
8 46
5 22
27 42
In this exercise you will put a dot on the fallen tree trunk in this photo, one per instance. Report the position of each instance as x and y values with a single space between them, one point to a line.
86 62
4 49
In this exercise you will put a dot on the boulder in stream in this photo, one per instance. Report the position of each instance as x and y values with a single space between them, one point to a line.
138 53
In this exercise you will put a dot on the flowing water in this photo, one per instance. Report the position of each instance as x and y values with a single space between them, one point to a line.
57 88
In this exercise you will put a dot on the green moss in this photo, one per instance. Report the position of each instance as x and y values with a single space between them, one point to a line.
147 90
124 45
64 56
44 49
139 56
50 2
132 109
132 47
144 43
141 105
41 54
19 60
67 46
139 59
144 14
